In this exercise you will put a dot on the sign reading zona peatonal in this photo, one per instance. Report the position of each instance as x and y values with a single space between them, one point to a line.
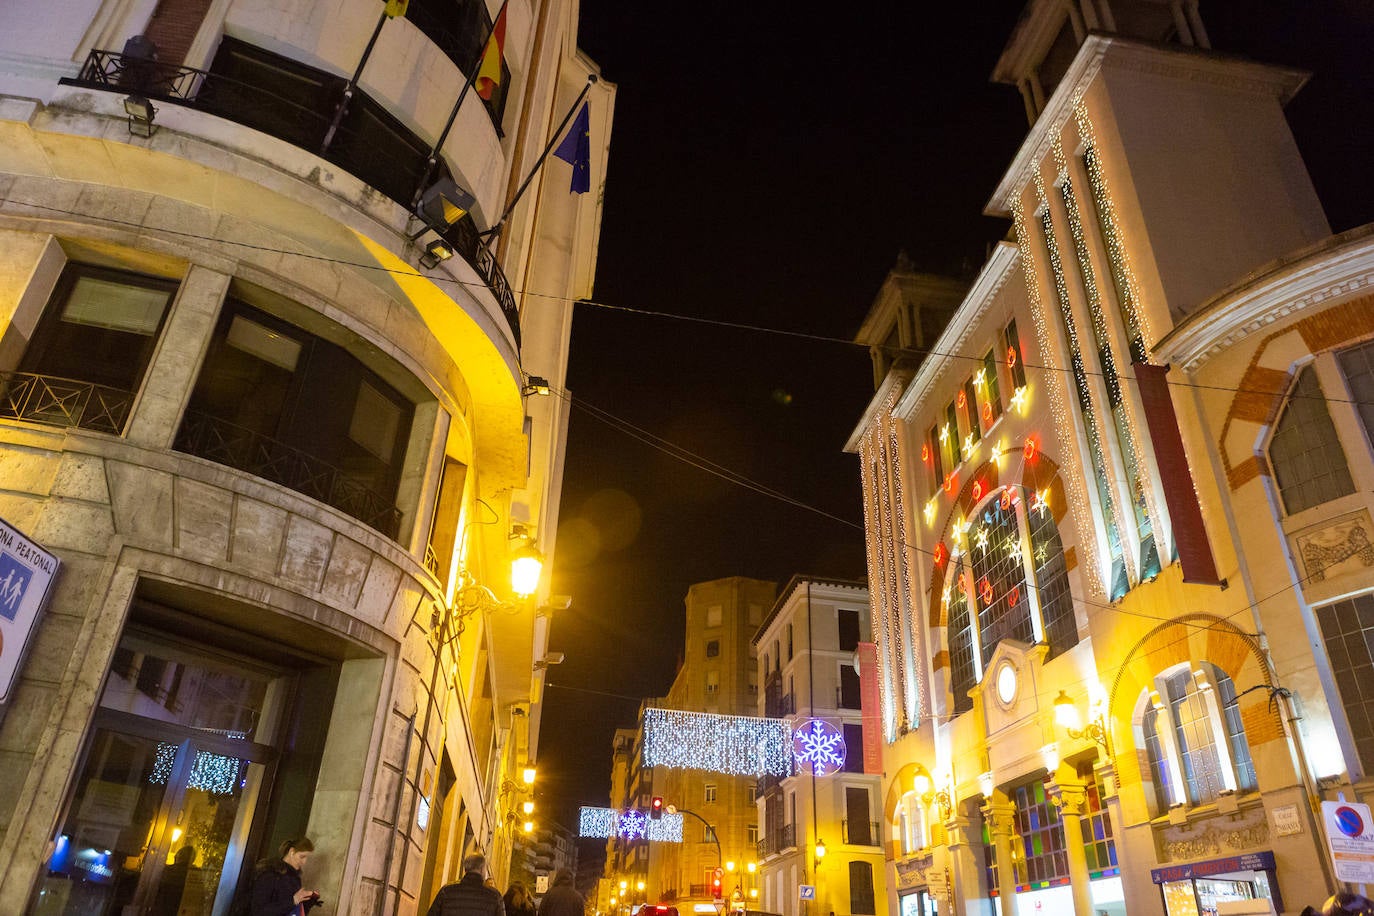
26 575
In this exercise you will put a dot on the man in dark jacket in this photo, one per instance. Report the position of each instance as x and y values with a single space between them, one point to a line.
562 898
470 896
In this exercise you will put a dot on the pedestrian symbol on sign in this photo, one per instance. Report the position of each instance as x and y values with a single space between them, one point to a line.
808 891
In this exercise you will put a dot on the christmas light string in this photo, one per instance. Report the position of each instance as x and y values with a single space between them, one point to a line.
648 313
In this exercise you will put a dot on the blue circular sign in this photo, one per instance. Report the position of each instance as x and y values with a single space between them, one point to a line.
1348 821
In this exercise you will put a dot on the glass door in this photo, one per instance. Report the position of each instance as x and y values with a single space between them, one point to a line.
159 817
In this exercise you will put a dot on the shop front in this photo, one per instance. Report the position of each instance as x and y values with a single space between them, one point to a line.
1197 888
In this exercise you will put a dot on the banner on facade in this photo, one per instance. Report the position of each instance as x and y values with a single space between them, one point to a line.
870 703
26 576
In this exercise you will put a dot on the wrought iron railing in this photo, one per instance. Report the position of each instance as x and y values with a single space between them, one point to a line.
778 840
860 833
63 402
218 440
370 143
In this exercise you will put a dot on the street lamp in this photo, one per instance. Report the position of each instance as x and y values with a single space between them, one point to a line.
1066 715
820 851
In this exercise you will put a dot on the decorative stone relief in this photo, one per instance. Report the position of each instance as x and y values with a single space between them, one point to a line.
1214 836
1338 547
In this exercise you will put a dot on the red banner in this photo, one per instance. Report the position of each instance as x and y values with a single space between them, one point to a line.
871 704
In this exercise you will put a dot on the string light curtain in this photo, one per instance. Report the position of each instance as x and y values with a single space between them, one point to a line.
733 745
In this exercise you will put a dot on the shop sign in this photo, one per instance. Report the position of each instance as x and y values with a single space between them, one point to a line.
1254 861
26 575
1350 839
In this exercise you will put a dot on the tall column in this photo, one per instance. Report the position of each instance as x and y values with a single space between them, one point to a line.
1000 816
1072 800
961 839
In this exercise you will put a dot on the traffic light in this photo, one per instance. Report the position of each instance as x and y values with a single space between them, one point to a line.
715 885
656 808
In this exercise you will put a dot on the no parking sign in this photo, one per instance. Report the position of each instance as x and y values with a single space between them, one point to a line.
1350 837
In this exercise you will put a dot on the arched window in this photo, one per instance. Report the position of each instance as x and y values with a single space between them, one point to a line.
1308 461
911 824
1194 738
1007 579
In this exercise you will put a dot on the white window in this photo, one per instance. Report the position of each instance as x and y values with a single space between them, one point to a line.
713 615
753 791
1194 738
712 683
710 793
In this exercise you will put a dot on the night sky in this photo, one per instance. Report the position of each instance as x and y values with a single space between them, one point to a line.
767 165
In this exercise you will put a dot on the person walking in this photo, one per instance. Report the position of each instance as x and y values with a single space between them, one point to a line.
562 898
277 887
518 900
469 896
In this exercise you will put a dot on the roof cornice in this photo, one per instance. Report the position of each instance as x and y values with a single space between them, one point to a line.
1333 269
967 319
1111 51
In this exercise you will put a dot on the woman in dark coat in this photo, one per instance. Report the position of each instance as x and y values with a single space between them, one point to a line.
518 900
277 883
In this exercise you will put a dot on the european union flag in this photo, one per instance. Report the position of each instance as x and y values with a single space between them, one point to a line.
576 150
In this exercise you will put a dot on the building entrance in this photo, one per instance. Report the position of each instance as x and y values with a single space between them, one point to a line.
179 756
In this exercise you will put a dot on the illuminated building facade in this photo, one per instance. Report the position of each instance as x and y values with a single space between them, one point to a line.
272 397
1117 518
809 653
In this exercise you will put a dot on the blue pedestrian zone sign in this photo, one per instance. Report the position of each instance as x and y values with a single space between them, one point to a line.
26 576
808 891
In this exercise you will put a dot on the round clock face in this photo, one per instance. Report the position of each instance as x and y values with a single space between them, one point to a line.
1006 683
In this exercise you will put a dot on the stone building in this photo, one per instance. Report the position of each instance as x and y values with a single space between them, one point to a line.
809 652
1118 518
277 346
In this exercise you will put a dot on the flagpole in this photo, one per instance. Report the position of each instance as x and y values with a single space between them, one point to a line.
553 141
433 159
353 82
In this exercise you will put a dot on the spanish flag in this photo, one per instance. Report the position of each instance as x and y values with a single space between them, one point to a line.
489 71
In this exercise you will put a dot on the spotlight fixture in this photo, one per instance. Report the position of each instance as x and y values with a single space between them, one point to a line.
535 384
444 203
435 252
141 113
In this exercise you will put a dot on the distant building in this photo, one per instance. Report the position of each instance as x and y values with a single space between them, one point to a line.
271 395
808 651
1118 514
544 851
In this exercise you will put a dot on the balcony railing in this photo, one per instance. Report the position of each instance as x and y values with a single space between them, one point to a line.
860 833
370 143
776 706
217 440
63 402
779 840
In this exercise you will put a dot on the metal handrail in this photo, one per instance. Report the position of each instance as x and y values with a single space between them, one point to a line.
55 401
258 108
873 837
218 440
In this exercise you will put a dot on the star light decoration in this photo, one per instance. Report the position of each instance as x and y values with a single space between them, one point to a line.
819 747
733 745
1019 399
604 823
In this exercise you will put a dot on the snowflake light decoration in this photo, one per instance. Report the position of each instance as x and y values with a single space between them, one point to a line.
633 825
818 747
604 823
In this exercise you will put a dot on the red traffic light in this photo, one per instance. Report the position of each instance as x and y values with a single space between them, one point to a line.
656 807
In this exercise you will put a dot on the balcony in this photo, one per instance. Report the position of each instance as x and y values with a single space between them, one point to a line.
224 443
860 833
249 86
778 705
63 402
779 840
